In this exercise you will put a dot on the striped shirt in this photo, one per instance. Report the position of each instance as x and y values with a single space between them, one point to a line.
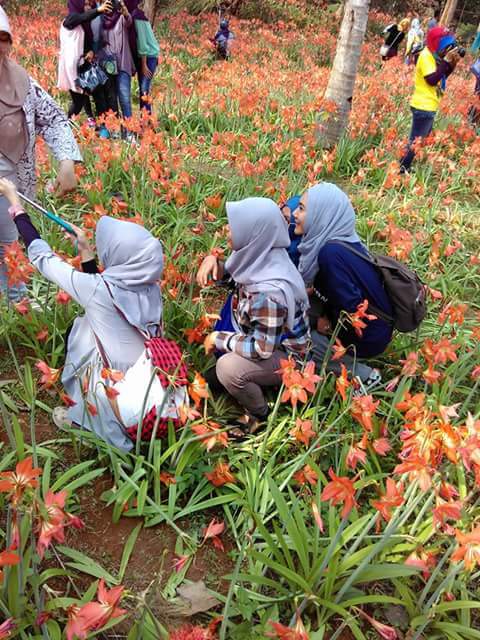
263 329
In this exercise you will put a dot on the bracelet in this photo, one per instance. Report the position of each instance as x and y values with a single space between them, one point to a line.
15 210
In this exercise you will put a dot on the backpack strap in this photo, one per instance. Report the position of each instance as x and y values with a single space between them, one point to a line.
371 260
145 336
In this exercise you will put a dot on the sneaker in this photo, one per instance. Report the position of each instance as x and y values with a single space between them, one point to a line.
366 386
60 418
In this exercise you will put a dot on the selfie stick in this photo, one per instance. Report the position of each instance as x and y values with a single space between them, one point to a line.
48 214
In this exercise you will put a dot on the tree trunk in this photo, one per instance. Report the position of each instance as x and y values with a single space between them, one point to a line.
449 13
344 71
150 8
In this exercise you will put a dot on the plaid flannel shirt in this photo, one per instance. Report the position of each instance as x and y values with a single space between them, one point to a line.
262 321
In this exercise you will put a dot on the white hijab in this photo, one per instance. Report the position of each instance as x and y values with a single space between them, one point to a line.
259 260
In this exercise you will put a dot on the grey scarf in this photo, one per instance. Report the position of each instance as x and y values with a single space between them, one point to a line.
330 216
259 261
133 261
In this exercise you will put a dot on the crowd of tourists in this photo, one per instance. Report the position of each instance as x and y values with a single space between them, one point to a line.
295 274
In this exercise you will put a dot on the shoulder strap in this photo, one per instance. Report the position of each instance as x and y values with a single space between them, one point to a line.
347 245
371 260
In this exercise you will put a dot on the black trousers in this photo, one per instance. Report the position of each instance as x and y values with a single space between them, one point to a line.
80 101
105 97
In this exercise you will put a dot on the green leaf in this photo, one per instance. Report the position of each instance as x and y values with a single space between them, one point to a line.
86 565
127 551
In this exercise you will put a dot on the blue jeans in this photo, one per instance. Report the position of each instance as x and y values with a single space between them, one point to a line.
422 125
16 292
145 83
124 92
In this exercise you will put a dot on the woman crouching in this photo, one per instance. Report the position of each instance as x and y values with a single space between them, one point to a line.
270 306
123 306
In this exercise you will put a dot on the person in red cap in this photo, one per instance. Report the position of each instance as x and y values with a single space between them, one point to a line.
435 63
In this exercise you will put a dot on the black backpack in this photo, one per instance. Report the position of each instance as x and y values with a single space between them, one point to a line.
407 293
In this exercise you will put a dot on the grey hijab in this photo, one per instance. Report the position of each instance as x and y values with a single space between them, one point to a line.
259 261
133 261
330 216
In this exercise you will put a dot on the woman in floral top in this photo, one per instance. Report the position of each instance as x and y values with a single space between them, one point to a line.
270 307
26 110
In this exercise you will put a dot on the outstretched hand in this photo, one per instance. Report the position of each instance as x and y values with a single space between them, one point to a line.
9 190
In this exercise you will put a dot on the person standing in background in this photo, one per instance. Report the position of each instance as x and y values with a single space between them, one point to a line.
27 111
148 51
394 35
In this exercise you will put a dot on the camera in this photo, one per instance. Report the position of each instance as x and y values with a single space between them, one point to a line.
115 5
461 52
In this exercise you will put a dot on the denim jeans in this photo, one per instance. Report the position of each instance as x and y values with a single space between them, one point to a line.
124 91
145 83
422 125
14 293
320 345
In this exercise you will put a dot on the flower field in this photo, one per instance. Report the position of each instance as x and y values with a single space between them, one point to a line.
347 517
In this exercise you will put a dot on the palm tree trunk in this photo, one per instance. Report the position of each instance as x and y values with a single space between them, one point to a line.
344 71
150 8
449 12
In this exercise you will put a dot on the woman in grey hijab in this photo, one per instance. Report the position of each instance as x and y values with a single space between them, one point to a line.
270 306
123 307
339 279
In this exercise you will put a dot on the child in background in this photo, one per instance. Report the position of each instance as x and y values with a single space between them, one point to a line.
222 39
148 51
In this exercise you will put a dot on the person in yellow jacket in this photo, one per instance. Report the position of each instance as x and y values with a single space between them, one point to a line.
435 63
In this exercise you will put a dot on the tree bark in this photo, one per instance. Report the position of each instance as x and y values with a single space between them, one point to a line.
344 72
449 13
150 8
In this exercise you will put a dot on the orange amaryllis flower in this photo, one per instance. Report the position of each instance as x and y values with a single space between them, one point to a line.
306 475
221 475
8 559
393 497
381 446
410 364
355 455
287 633
468 549
363 409
212 532
340 490
49 376
303 432
167 478
417 469
95 615
53 522
288 366
423 560
198 389
17 264
16 482
342 383
446 511
310 378
357 318
295 390
338 350
383 630
112 374
210 434
179 562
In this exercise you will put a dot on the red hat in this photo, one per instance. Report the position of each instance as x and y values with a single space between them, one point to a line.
434 36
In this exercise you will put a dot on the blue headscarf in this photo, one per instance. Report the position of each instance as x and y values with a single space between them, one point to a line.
292 250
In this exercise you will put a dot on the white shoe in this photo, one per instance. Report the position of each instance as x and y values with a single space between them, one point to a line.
366 386
60 419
